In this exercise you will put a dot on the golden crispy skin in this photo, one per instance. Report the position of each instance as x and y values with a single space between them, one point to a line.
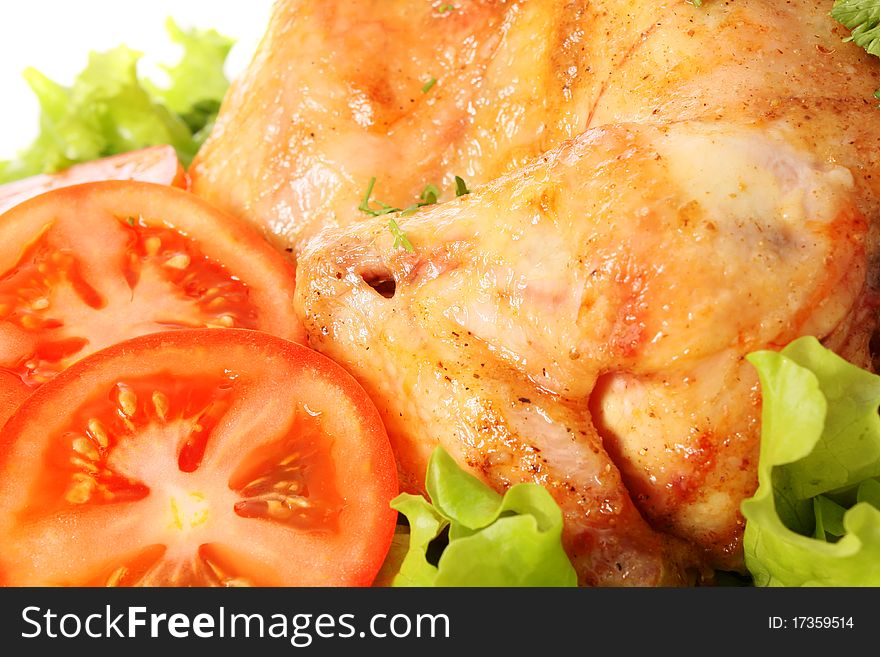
659 190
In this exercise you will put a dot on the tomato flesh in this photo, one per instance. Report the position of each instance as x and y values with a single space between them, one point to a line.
12 393
157 164
196 458
200 292
85 267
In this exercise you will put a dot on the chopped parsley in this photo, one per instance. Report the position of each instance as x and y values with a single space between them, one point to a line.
400 238
446 8
384 208
428 85
862 17
429 196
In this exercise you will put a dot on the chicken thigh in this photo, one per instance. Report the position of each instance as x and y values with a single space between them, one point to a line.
660 189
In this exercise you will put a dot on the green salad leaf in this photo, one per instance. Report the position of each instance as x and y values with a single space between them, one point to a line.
514 540
815 518
109 109
198 77
862 17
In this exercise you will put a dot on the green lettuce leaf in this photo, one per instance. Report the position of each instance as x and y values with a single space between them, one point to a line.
814 520
862 17
109 109
514 540
198 76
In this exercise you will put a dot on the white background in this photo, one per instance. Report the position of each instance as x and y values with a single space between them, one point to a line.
55 36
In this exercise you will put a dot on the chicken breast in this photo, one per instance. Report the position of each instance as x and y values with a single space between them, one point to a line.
660 189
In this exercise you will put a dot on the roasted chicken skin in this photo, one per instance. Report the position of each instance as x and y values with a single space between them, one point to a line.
659 190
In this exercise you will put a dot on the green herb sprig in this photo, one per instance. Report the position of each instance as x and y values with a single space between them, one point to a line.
400 238
429 196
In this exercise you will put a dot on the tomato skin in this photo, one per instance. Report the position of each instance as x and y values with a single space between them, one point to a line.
157 164
271 373
12 393
92 241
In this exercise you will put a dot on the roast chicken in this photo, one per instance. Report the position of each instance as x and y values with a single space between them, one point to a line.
656 190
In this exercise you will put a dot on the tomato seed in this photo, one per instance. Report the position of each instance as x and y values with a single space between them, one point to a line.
152 245
88 466
275 509
116 576
224 579
127 402
80 492
99 433
85 447
255 484
30 322
180 261
160 403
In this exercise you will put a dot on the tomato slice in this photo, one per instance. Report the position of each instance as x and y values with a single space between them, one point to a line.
90 265
196 457
157 164
13 391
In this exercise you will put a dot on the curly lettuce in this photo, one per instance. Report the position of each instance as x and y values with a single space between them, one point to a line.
815 518
110 109
862 17
514 540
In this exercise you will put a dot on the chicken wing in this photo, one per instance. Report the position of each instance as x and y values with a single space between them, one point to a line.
660 190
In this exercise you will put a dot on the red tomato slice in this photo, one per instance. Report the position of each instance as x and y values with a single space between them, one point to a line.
12 392
157 164
199 457
88 266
